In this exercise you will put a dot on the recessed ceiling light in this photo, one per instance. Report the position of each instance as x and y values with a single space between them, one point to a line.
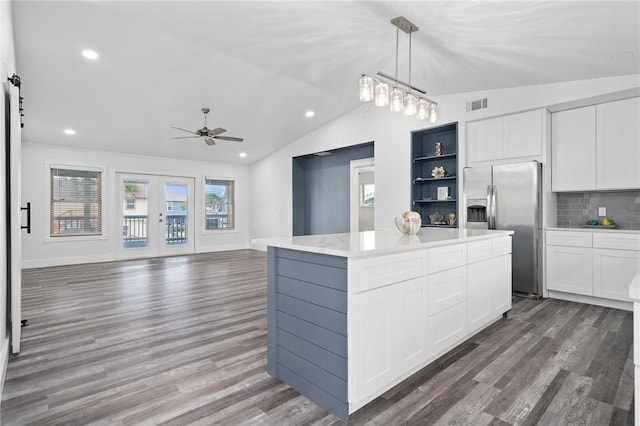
243 154
69 132
309 114
90 54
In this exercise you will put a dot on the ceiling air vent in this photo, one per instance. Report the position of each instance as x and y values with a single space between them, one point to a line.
477 104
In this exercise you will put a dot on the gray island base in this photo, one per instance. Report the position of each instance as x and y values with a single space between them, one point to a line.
352 315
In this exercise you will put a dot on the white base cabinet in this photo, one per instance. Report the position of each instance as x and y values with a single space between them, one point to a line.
599 264
613 270
393 335
489 286
569 269
411 314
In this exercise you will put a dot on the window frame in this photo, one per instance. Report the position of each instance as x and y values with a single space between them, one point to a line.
133 201
233 185
49 166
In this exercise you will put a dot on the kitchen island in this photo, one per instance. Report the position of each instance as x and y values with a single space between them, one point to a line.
351 315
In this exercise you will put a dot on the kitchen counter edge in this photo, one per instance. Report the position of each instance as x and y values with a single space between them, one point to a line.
386 242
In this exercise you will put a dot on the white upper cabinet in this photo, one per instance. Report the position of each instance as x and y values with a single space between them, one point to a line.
573 149
484 140
596 147
618 135
522 134
511 136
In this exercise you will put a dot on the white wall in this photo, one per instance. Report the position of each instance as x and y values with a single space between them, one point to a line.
38 250
271 214
7 68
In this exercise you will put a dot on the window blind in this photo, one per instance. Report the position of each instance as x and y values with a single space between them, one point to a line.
76 202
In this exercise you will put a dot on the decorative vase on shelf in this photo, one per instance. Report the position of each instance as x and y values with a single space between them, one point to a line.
439 150
409 223
451 218
437 218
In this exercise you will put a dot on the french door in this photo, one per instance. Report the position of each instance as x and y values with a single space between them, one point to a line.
155 215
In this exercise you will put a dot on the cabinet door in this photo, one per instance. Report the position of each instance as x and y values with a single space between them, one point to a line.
388 335
370 341
448 327
500 285
522 134
570 269
484 140
489 285
613 271
447 288
478 300
573 150
618 136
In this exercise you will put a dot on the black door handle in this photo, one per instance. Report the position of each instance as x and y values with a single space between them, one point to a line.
28 209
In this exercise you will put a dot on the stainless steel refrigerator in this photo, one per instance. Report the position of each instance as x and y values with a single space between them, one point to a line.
509 197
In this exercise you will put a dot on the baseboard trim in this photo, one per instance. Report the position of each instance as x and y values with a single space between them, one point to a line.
60 261
607 303
71 260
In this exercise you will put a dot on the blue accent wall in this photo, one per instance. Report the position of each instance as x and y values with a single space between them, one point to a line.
321 198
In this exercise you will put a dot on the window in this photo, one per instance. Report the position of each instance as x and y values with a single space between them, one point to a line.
169 206
131 204
367 195
76 202
219 204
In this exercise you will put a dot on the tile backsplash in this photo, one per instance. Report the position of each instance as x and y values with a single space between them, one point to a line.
623 207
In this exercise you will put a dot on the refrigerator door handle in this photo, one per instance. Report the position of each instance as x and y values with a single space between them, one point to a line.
494 208
489 209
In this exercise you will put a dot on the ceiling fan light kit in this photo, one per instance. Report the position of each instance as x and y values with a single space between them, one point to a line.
209 135
385 90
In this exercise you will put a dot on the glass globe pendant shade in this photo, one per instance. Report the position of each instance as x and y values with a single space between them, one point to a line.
410 104
366 88
395 99
382 94
422 110
433 115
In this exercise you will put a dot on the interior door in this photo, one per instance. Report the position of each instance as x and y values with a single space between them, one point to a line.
14 216
156 215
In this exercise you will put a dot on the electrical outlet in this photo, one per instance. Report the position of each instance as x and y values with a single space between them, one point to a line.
602 211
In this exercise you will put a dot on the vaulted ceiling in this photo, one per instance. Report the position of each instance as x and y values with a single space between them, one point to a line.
261 65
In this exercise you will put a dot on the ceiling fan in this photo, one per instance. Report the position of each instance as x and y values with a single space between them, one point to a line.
208 134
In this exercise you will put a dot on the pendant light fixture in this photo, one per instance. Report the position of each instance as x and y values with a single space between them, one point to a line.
400 96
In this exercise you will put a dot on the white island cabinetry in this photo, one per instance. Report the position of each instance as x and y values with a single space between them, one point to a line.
385 306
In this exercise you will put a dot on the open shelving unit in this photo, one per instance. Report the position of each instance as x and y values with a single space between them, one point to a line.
424 187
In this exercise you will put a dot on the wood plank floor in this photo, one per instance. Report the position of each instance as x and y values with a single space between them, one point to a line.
182 340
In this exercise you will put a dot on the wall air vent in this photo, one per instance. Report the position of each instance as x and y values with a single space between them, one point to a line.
477 104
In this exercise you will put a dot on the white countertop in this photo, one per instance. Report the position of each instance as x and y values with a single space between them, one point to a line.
371 243
581 229
634 288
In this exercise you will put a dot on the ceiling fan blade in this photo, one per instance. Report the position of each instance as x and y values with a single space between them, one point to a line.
216 131
186 137
228 138
185 130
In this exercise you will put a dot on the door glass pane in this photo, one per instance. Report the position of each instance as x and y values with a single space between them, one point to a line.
135 214
175 213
